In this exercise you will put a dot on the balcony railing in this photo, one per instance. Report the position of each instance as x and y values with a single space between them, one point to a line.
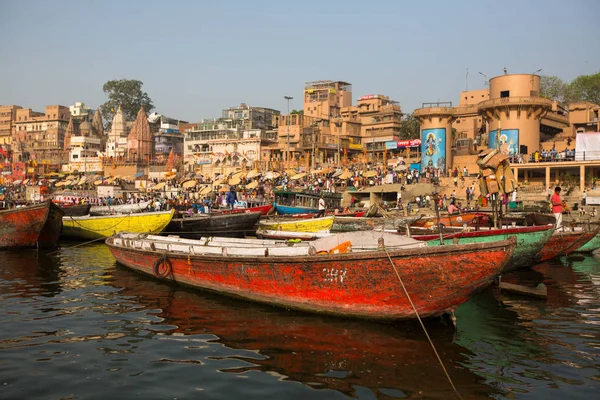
522 100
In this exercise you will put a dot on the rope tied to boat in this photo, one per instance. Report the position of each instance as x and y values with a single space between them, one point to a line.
421 322
112 227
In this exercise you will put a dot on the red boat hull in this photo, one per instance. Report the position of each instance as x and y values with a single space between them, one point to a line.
562 243
264 210
361 285
34 226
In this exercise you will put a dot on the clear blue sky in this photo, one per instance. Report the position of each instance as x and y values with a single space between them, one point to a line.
198 57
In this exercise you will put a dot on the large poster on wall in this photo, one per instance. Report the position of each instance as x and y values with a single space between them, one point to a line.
508 137
433 148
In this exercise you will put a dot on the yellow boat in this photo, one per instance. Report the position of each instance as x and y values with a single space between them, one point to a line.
299 225
89 228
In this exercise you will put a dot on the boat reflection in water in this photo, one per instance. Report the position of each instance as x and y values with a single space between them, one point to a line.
520 342
30 273
349 356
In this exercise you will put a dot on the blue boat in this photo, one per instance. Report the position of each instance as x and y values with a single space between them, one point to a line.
288 202
288 210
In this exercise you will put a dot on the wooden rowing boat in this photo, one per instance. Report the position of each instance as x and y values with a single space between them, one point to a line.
39 225
353 224
290 210
308 348
563 243
590 246
120 209
331 278
323 224
530 240
233 225
472 219
263 209
95 227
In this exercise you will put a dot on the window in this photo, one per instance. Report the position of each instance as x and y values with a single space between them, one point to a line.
504 94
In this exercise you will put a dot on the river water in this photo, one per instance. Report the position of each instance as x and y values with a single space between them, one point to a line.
75 325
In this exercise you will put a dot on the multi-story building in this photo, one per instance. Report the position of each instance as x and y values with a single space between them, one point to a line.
223 144
41 136
325 99
379 119
8 115
84 145
583 118
253 117
80 112
167 136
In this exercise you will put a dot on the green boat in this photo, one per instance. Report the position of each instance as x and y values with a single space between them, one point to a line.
590 246
530 240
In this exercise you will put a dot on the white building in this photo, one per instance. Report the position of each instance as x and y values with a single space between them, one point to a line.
116 143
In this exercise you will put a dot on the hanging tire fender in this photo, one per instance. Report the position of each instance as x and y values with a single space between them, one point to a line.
163 267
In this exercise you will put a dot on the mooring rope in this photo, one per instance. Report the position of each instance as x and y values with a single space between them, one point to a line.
77 245
422 325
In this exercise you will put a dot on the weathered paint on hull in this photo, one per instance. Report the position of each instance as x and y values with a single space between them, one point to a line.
20 227
228 225
52 228
90 228
562 243
361 285
33 226
529 242
590 246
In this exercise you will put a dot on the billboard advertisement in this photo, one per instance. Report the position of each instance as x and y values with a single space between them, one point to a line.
433 148
391 145
408 143
508 138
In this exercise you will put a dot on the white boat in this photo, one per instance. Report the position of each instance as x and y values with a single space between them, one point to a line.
361 241
120 209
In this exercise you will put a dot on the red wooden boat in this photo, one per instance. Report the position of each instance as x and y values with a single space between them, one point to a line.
264 210
361 284
472 219
30 226
307 348
563 243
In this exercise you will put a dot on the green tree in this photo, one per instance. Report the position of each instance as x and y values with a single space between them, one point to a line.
128 94
297 112
553 88
584 88
410 127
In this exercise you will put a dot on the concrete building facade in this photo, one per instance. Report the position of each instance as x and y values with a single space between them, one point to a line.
41 136
8 116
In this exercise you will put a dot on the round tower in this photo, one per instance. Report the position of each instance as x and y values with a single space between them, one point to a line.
513 113
436 136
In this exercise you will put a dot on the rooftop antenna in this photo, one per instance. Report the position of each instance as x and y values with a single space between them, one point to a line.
505 71
467 81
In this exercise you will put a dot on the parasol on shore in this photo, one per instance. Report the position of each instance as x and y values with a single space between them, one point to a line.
189 184
158 186
298 176
252 174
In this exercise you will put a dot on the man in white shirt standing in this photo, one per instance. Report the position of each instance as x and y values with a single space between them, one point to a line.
321 207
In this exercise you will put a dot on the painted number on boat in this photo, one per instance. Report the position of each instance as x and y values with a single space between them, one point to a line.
334 275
